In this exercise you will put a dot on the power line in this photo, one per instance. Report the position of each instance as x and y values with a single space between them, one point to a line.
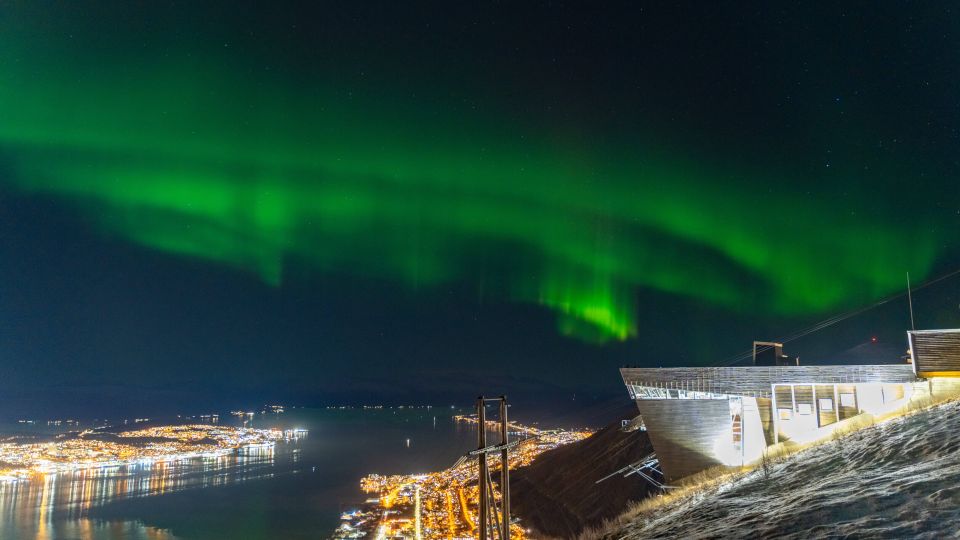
841 317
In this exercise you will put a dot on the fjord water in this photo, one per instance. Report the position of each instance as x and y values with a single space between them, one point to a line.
296 490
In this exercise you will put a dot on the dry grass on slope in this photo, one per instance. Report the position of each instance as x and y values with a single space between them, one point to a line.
696 486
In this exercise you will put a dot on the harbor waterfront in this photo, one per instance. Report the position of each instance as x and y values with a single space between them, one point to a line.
456 271
442 504
91 448
293 489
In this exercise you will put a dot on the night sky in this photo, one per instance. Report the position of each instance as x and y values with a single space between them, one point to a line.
405 202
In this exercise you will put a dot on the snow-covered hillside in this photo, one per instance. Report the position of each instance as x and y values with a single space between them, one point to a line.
899 479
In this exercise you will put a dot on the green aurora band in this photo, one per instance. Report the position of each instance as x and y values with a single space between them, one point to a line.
258 176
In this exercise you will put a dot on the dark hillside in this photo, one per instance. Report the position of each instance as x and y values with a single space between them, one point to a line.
557 494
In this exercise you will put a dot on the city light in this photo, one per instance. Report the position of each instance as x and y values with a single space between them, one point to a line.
96 449
441 504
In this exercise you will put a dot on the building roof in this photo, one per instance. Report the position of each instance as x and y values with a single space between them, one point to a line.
757 380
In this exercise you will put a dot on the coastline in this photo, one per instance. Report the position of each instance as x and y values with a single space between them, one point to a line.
91 449
441 504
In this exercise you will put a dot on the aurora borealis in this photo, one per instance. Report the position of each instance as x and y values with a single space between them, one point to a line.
210 162
698 168
423 207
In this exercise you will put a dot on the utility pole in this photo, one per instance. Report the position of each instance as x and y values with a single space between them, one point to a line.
484 515
487 502
416 497
504 469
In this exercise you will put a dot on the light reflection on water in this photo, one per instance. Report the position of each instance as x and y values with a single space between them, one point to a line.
56 506
296 492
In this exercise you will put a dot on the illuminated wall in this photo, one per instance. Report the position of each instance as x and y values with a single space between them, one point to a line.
702 417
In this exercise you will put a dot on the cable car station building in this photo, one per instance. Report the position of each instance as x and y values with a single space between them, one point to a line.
701 417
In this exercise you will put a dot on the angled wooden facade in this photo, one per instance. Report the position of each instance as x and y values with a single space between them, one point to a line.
684 436
935 352
700 417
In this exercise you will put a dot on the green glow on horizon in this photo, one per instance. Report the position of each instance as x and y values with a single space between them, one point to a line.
259 177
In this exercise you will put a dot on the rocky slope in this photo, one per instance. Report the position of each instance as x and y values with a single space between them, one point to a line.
899 479
557 496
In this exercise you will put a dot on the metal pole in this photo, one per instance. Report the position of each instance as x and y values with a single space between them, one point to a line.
836 401
504 469
816 406
793 404
910 300
494 516
484 516
775 414
416 515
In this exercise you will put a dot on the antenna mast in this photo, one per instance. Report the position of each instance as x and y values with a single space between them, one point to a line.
910 301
